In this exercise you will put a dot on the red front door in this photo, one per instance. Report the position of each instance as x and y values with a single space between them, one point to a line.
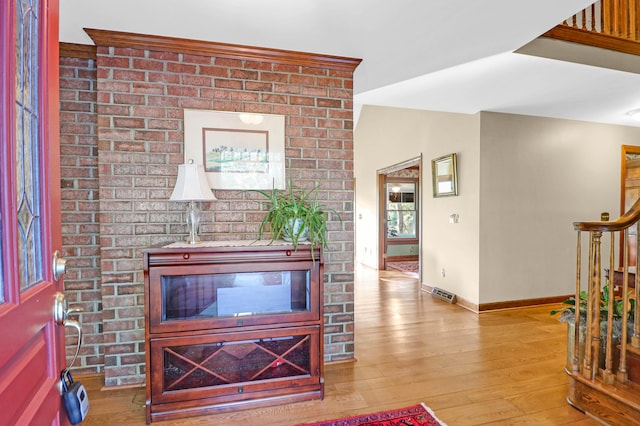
31 344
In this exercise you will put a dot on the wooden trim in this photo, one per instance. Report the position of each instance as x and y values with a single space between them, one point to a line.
616 404
200 47
508 304
590 38
381 221
460 301
341 361
79 51
512 304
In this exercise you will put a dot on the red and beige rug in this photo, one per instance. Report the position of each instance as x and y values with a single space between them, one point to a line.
417 415
408 267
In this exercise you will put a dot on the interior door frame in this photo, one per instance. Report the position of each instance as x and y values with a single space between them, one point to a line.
381 219
625 151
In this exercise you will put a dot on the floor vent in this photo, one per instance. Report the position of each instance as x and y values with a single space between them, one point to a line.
442 294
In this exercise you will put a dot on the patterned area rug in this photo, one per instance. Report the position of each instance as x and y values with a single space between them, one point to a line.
409 416
409 267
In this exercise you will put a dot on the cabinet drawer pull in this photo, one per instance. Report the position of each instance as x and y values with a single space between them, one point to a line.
240 389
185 256
288 253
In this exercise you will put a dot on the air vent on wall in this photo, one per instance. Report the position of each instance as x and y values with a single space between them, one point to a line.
443 294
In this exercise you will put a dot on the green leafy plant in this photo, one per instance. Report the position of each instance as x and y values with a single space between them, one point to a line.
284 207
567 312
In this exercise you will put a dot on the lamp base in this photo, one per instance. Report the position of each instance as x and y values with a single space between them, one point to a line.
193 223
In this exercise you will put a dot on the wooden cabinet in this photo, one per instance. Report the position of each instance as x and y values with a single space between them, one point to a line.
232 325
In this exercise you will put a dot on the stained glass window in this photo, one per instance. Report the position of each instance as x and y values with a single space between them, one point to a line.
27 179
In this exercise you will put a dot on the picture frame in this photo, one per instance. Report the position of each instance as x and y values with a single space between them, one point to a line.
238 150
445 176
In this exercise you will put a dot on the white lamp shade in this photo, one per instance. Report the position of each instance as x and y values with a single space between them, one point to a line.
192 184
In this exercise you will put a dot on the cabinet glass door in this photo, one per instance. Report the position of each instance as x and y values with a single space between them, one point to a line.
187 297
234 294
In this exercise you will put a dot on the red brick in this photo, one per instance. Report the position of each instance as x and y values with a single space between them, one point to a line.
137 172
164 56
147 64
181 68
163 77
182 91
128 99
228 62
243 74
228 84
329 103
128 75
128 122
125 51
114 62
214 71
148 88
196 80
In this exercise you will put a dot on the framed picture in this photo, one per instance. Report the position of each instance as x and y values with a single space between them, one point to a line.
238 150
445 179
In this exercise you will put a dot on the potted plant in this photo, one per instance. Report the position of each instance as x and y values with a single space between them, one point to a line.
295 215
568 314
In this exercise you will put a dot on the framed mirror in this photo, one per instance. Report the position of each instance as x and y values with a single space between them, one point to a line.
445 179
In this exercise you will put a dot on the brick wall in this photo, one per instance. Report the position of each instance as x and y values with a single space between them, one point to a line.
80 198
141 95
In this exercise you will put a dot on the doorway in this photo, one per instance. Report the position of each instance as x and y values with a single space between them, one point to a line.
399 212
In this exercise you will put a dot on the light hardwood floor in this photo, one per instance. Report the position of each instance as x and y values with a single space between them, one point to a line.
499 368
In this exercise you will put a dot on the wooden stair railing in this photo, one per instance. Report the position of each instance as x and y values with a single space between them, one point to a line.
605 381
609 24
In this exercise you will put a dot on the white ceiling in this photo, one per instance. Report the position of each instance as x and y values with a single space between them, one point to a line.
452 55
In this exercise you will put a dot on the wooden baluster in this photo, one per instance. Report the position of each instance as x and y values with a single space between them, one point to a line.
616 15
635 339
576 337
592 345
607 373
624 18
622 367
605 17
633 13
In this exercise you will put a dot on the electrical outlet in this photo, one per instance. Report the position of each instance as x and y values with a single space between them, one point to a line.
443 274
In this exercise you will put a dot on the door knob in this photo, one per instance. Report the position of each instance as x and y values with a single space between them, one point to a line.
61 311
59 265
61 314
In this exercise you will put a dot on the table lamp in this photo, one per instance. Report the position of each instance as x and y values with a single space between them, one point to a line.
192 186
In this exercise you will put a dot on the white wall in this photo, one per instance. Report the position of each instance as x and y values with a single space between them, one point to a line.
387 136
537 177
523 181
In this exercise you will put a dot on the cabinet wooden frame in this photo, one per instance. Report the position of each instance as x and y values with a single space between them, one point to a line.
177 339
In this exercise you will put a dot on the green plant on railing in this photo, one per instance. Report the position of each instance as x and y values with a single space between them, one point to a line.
568 311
